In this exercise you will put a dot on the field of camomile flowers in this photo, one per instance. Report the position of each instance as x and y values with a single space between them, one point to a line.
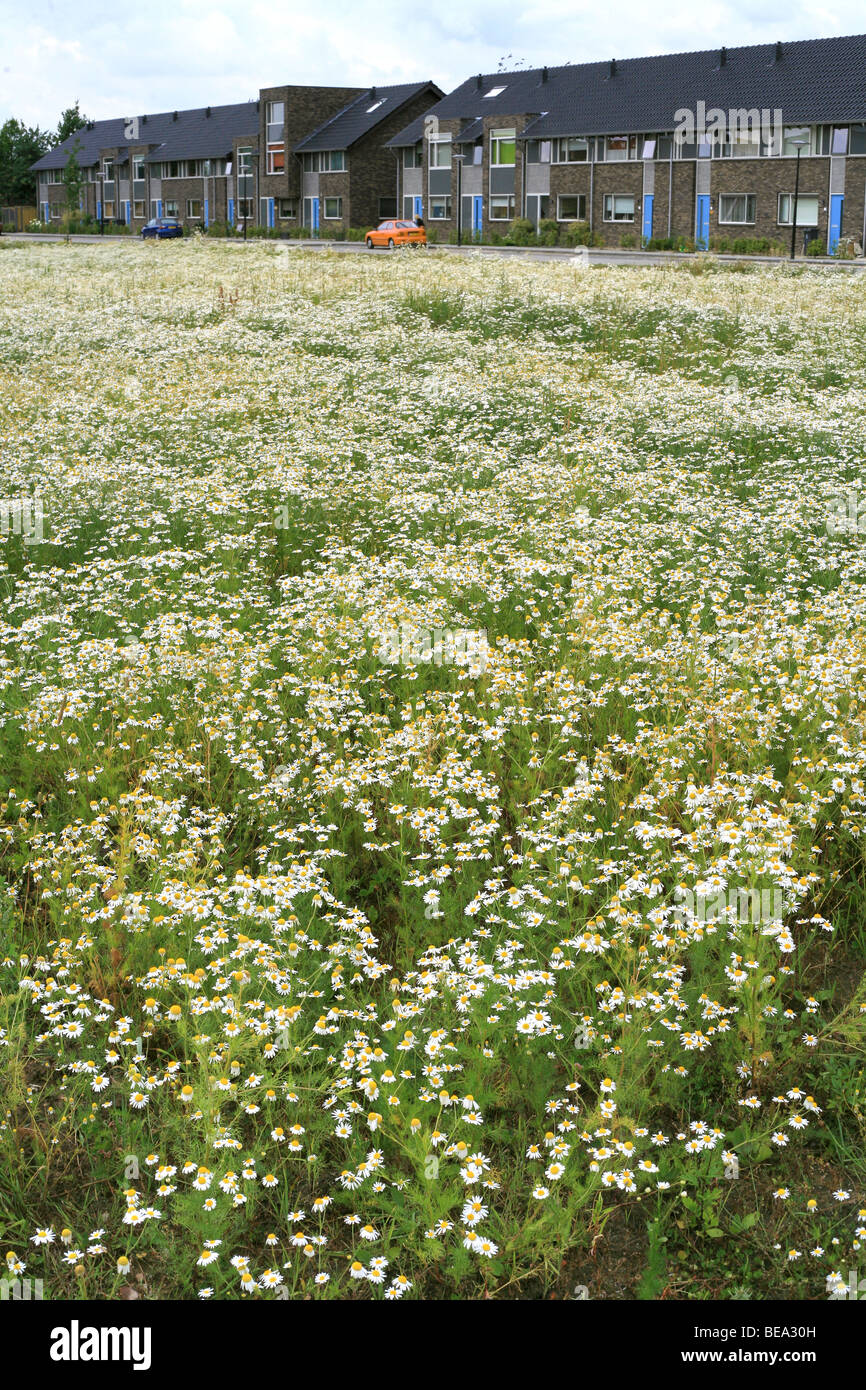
432 776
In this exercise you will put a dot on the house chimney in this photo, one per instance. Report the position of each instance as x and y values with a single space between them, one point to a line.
778 53
612 68
207 112
479 82
544 74
373 93
723 57
174 117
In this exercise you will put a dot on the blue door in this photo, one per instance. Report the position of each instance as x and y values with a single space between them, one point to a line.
702 222
419 203
315 202
477 215
231 212
836 202
648 216
206 223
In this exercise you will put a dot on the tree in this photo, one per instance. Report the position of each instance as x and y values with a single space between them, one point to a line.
70 121
19 148
73 181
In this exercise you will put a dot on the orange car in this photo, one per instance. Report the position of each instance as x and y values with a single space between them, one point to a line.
396 233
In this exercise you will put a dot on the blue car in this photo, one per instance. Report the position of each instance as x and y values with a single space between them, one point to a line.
162 227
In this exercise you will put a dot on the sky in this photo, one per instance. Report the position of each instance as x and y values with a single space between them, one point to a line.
128 57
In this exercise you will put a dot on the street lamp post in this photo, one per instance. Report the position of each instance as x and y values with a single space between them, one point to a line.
798 139
459 158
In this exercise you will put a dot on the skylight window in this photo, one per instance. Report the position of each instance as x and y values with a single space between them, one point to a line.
376 105
494 92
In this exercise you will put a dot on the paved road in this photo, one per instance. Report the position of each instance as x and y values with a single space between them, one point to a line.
594 256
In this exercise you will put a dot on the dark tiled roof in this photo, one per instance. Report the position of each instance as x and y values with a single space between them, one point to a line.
362 115
194 135
811 80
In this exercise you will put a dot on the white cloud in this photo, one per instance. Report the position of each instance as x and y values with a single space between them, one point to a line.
118 56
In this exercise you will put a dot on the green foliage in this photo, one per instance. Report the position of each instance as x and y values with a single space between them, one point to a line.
20 147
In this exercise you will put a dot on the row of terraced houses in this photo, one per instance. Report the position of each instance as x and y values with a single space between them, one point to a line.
698 145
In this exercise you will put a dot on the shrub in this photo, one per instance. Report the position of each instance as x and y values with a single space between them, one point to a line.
521 232
218 229
355 233
628 240
661 243
578 234
548 231
816 247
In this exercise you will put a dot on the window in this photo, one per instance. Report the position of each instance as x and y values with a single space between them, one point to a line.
170 207
274 117
333 160
664 147
276 159
138 208
618 208
312 163
108 208
616 147
538 151
737 207
440 207
503 147
108 170
193 207
858 140
138 167
840 140
477 152
494 92
388 208
245 160
649 149
56 210
245 209
376 105
788 146
572 150
413 157
807 210
502 208
440 153
571 208
333 209
287 209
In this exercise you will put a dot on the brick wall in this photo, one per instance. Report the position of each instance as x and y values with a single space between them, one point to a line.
306 108
373 168
767 178
855 198
624 178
